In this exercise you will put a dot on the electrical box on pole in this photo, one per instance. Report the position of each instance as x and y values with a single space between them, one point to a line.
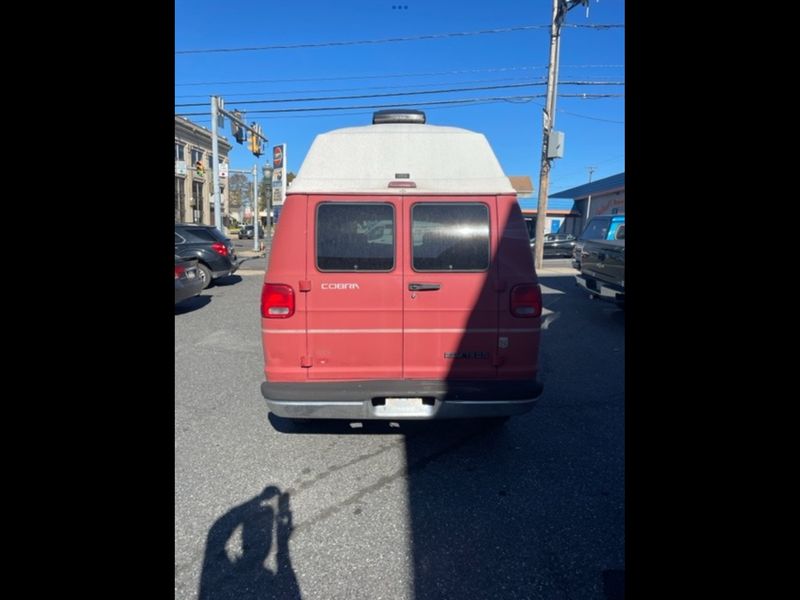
555 145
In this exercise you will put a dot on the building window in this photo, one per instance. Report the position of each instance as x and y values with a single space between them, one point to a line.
179 151
197 156
197 197
180 199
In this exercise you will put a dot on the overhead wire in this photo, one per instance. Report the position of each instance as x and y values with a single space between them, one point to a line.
411 38
416 93
394 75
421 103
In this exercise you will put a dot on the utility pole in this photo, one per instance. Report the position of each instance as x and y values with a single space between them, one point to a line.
218 111
215 164
560 9
589 201
256 220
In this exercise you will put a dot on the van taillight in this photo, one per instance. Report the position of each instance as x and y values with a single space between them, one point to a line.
526 300
220 248
277 301
179 271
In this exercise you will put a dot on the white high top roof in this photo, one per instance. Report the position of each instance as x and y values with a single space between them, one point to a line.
440 160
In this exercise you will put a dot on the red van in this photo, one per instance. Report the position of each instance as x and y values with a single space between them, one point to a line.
400 282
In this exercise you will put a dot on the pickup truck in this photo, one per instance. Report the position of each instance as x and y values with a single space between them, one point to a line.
599 255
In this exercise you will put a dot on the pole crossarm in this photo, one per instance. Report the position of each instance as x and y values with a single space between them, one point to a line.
241 123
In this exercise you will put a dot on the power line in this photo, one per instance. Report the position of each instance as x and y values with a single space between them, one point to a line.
352 89
566 112
412 38
361 96
417 93
423 103
570 174
432 108
343 114
392 75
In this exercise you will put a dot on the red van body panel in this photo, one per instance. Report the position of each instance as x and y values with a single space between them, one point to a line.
395 298
371 326
284 340
450 332
518 340
355 320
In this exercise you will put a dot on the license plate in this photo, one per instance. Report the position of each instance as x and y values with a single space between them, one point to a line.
608 292
404 402
404 407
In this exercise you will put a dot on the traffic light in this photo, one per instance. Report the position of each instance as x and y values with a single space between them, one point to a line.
236 129
201 170
255 139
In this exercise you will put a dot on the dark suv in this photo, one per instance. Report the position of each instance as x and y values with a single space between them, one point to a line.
246 232
214 252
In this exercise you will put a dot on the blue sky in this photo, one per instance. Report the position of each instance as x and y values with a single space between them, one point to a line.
594 128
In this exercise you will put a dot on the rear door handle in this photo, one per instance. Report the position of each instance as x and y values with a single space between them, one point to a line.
424 287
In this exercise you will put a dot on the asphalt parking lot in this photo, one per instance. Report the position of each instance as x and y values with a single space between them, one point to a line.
265 508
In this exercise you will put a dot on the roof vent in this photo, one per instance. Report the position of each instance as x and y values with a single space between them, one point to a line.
397 115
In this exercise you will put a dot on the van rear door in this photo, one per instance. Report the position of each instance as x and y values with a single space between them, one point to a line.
449 295
354 282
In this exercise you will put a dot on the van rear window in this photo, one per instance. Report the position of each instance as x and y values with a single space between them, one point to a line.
450 237
355 236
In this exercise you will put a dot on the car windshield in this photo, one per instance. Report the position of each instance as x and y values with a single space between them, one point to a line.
596 229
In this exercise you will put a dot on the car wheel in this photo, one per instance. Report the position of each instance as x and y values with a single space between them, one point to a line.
205 274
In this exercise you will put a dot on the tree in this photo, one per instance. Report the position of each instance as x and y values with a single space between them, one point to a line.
240 190
265 187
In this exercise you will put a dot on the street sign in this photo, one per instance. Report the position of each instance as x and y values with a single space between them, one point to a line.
180 167
278 180
223 169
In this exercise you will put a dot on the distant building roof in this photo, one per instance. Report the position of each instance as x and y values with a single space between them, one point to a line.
554 205
521 183
224 144
606 184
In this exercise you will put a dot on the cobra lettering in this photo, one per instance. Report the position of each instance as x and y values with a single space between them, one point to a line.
339 286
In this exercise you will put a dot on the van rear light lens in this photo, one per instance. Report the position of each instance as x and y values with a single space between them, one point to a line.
220 248
526 300
179 270
277 301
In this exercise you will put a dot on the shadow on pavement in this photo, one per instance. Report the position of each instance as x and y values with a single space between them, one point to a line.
240 562
192 304
228 280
